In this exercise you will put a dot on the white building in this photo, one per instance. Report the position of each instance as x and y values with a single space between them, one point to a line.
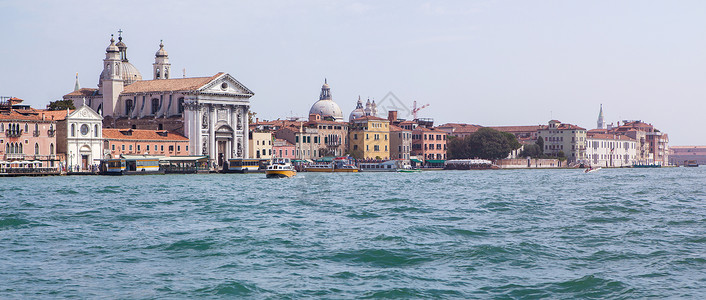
80 137
610 150
566 138
211 111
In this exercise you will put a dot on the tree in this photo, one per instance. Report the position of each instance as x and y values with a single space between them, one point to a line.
61 105
485 143
251 116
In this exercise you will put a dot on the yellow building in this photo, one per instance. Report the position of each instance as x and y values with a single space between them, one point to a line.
369 138
260 144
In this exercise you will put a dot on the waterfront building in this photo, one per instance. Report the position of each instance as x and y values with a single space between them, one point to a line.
368 138
652 144
565 138
27 135
610 150
260 144
304 138
400 143
144 142
283 149
679 155
429 144
211 111
80 139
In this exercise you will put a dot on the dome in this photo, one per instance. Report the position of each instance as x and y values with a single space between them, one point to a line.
161 52
327 108
357 112
129 73
112 47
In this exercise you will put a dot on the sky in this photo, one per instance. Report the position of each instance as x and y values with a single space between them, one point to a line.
481 62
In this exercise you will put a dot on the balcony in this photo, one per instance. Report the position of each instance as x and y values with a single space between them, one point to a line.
13 133
35 133
51 132
14 156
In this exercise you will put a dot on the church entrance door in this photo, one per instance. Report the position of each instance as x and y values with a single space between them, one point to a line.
221 152
84 162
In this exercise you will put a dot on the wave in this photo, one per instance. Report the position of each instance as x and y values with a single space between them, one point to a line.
588 286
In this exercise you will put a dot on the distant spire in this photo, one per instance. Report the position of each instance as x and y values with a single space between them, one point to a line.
600 124
77 86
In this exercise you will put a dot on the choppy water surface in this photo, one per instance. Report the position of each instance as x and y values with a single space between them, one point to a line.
616 233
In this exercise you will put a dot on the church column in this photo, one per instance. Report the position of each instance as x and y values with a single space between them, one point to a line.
212 133
246 130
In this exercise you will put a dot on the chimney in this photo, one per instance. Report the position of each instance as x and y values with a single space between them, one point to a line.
257 120
314 117
392 115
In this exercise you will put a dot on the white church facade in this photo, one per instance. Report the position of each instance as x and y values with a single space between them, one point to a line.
211 111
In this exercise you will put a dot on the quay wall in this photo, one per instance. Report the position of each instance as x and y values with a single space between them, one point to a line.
520 163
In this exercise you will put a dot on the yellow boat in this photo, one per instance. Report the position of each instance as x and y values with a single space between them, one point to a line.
280 168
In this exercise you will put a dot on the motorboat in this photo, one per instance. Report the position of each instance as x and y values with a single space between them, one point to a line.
280 168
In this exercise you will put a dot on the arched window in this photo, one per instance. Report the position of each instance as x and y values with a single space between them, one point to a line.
156 74
128 106
181 105
51 149
95 130
7 148
73 130
36 148
26 127
36 127
155 105
166 73
20 148
2 127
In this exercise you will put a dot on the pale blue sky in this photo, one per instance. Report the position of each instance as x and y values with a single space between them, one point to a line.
480 62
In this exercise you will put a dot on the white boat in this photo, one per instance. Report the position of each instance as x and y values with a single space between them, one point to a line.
280 168
591 170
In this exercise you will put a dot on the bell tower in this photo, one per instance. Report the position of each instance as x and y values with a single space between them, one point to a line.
111 84
161 67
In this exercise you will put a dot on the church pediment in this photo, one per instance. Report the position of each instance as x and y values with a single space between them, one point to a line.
85 113
225 84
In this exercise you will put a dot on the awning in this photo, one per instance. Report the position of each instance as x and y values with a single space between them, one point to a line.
435 161
414 160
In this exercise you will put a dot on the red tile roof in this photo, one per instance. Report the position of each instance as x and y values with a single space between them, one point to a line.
141 134
397 128
168 85
85 92
35 115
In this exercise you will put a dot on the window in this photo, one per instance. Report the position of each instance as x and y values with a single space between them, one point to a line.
181 105
73 129
155 105
155 147
161 148
113 147
95 130
51 149
355 136
376 148
138 148
147 148
123 147
36 148
179 148
130 147
355 147
171 148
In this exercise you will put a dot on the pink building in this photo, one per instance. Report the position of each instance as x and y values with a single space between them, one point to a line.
144 141
283 149
27 136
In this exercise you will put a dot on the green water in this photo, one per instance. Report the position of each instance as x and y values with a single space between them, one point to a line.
615 233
